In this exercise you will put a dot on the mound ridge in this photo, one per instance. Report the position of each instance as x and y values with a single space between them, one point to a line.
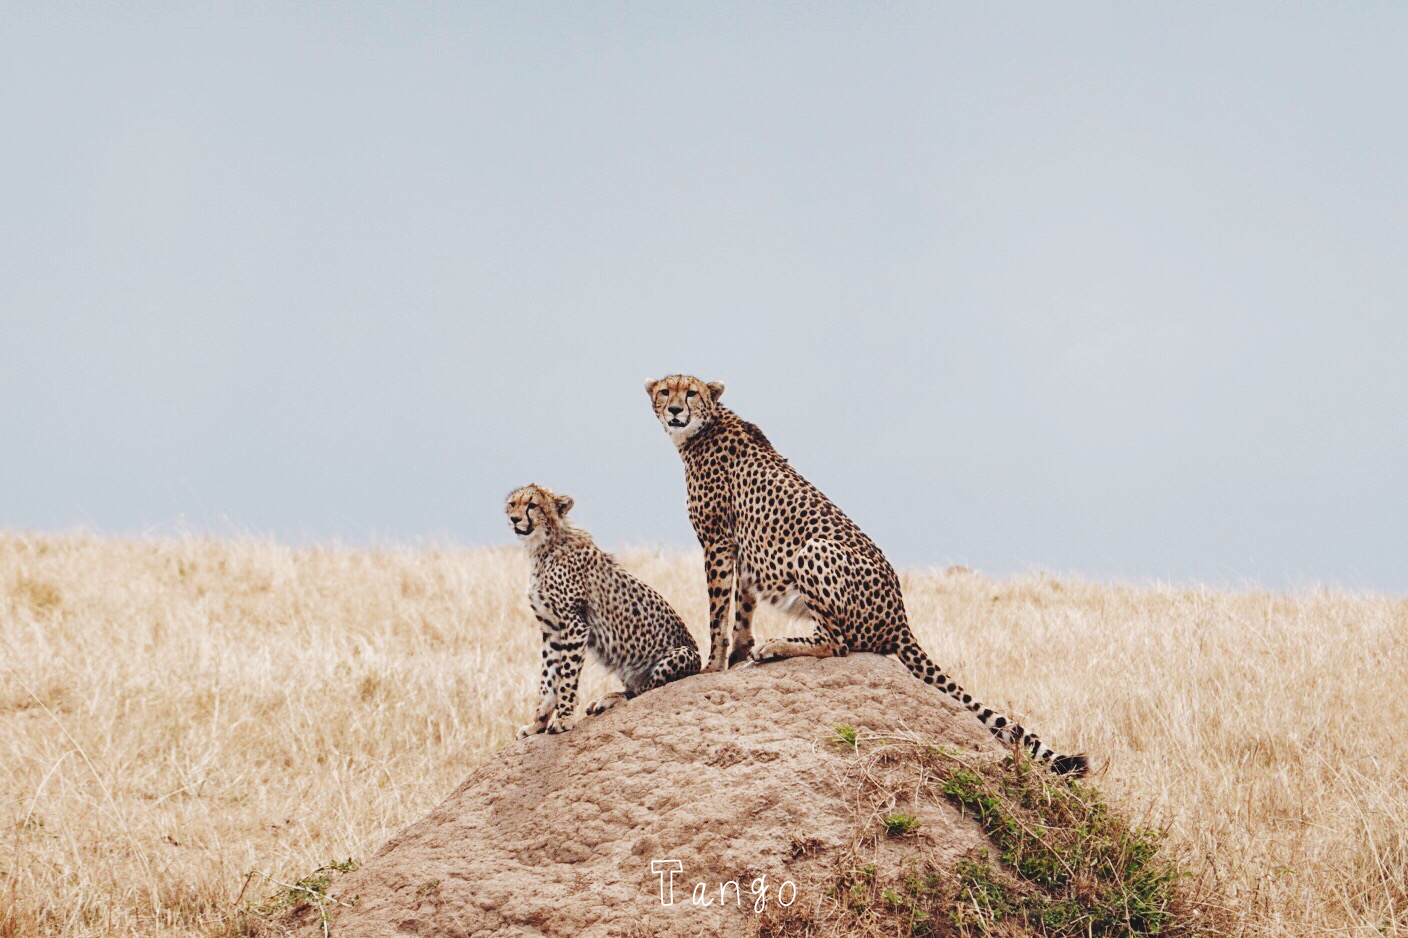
738 776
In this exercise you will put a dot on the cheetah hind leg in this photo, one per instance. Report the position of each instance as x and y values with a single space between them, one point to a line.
823 572
825 642
681 662
603 704
812 646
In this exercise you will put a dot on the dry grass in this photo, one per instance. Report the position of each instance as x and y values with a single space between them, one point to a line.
174 714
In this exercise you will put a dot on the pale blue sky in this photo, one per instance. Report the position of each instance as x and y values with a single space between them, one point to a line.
1114 289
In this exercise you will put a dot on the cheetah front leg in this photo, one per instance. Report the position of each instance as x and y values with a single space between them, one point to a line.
547 695
570 645
743 603
718 570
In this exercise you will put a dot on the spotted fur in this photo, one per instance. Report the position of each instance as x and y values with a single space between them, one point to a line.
584 601
768 534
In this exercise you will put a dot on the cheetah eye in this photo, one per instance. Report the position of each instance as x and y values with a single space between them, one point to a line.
662 392
532 504
691 393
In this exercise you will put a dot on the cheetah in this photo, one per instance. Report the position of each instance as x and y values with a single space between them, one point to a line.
769 534
583 599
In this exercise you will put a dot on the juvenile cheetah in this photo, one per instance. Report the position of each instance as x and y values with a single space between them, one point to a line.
769 533
583 599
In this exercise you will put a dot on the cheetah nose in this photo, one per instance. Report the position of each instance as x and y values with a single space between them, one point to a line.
675 410
514 518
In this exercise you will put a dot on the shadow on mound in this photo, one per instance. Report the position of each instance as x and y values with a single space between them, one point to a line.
806 797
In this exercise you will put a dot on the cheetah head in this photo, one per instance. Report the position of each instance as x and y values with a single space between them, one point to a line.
683 404
534 512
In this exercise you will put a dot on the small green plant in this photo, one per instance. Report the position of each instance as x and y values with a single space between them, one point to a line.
310 890
846 735
983 899
911 902
855 889
900 823
1060 863
1079 870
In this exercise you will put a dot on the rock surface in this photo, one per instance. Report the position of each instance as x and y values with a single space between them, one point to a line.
736 776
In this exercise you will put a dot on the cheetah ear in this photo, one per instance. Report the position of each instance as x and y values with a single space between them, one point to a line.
716 389
650 387
564 505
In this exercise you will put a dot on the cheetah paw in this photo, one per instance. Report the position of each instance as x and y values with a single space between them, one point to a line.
562 725
603 704
530 729
741 653
763 652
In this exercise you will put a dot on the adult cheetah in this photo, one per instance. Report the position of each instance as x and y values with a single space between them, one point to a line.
584 600
769 533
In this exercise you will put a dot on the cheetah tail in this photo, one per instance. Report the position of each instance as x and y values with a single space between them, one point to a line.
922 667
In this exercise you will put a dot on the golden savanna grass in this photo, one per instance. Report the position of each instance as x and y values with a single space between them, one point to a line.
175 714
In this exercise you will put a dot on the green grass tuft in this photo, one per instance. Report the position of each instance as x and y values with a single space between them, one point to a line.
899 824
1060 862
1075 868
846 735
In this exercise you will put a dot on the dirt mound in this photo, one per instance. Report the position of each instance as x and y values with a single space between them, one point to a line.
802 798
726 778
